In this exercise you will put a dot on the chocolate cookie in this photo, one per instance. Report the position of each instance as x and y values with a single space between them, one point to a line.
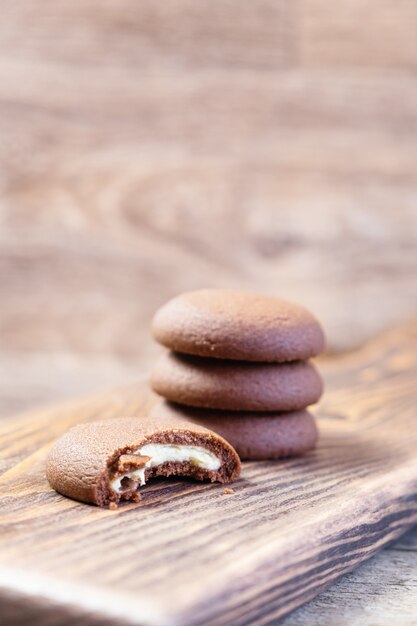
254 436
228 324
236 385
105 462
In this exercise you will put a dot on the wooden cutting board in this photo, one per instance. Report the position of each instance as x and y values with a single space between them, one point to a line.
190 554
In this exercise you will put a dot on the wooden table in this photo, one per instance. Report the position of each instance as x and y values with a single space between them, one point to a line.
198 554
153 147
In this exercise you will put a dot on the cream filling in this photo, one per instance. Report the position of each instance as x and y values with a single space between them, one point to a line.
165 453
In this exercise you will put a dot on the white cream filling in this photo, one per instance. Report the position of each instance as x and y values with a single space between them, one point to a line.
165 453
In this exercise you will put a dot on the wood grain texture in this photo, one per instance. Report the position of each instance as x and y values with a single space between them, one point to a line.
367 34
380 592
193 555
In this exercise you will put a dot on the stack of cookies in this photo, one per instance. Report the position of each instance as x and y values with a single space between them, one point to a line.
238 364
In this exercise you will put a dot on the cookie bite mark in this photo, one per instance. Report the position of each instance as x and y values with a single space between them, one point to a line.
163 460
106 462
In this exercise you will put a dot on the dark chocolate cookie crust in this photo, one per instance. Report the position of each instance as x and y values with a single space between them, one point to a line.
236 385
254 436
238 325
81 462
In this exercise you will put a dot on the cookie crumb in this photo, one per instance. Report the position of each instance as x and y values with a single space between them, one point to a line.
228 490
113 506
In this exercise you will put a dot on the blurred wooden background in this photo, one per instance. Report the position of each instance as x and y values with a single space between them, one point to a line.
155 146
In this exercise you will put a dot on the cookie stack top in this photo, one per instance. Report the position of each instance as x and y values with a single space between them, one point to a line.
237 325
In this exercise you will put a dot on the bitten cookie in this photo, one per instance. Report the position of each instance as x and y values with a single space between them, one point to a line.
254 436
105 462
229 324
236 386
